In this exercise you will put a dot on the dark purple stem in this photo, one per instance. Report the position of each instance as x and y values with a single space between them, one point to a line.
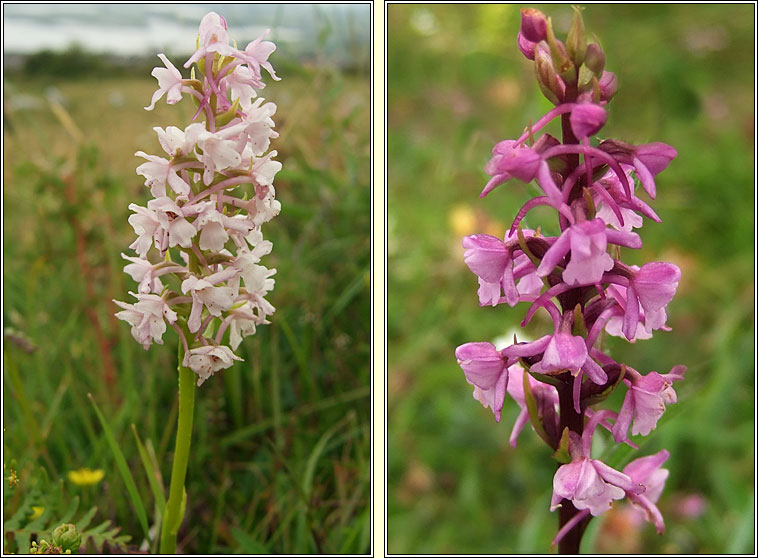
569 417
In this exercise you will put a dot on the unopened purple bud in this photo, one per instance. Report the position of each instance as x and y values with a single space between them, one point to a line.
526 46
562 63
587 119
533 25
594 59
551 84
608 86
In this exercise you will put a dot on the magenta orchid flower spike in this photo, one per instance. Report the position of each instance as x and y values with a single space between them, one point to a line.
578 278
199 242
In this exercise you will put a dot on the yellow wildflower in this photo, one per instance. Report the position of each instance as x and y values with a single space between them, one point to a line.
86 476
36 512
462 220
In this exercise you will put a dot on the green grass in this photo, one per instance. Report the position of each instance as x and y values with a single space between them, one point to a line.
281 443
457 84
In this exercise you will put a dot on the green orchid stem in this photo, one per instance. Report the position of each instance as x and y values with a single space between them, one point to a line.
174 513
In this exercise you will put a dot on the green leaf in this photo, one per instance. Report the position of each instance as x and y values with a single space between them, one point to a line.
576 41
544 378
356 538
123 468
86 519
562 455
225 117
152 473
590 203
313 458
19 530
247 544
579 328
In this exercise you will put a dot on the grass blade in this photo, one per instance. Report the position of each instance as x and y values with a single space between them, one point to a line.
247 544
151 472
318 449
126 475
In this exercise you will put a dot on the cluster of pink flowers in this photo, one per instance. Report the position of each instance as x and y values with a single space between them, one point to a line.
579 280
198 234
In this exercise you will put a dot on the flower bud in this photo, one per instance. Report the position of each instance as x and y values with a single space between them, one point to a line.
533 25
608 86
594 59
551 85
562 64
526 46
587 119
576 42
67 537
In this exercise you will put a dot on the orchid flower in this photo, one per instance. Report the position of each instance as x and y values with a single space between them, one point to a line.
579 278
199 239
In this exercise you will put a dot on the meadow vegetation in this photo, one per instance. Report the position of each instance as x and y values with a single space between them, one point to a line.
281 443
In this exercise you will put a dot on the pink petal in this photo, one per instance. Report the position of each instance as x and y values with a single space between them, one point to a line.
486 256
631 314
656 284
481 362
528 349
616 478
555 253
624 419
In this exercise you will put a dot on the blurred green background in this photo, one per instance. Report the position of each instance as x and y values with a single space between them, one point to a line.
280 459
457 84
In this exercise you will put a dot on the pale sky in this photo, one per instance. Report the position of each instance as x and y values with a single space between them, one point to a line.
147 28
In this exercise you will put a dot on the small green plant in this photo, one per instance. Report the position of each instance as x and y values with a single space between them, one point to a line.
65 540
46 519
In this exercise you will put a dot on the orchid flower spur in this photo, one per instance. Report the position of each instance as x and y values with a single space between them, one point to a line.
199 241
560 380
